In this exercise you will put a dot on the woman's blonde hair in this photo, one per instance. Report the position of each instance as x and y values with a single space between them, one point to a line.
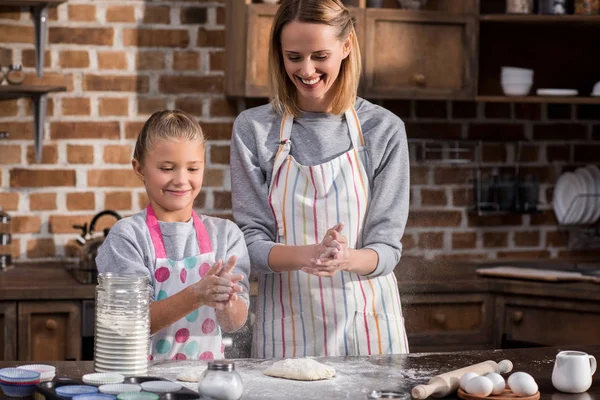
167 125
328 12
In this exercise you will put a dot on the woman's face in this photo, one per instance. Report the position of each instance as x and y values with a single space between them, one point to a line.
312 56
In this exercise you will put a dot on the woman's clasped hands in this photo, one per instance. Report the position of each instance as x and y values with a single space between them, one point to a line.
219 286
333 254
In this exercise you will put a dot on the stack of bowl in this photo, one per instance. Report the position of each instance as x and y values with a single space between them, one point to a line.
516 81
17 382
47 372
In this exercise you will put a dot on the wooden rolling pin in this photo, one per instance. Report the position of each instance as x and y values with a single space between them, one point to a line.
445 384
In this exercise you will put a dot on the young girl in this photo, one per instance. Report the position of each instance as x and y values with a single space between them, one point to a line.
194 293
320 185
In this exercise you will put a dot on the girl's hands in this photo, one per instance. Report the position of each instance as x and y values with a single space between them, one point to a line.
218 288
332 255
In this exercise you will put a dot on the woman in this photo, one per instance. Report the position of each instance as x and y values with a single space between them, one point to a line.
320 186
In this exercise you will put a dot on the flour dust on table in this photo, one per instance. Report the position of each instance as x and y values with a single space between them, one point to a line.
301 369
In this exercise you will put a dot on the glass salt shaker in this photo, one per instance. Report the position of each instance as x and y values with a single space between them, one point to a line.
221 381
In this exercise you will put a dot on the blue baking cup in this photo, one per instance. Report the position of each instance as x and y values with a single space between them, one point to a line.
70 391
94 396
17 375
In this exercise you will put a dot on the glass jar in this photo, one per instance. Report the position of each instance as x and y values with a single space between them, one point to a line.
587 7
15 75
122 324
519 6
557 7
5 240
221 381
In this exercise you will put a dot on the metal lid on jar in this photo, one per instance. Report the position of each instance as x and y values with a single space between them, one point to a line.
221 365
387 394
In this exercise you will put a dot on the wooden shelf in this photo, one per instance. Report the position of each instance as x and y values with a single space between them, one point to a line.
39 97
539 99
540 19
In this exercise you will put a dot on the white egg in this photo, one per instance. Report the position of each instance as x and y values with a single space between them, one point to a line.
479 386
522 384
498 382
465 378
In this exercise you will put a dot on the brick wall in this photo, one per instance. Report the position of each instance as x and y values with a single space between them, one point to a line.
123 60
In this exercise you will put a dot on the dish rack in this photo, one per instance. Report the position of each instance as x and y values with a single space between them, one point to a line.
582 236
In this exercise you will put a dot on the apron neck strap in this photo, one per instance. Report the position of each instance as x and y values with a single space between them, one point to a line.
157 237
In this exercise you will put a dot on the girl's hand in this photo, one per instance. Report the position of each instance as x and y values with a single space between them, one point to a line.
213 290
226 272
333 254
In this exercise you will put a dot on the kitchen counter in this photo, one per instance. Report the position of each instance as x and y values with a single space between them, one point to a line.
357 376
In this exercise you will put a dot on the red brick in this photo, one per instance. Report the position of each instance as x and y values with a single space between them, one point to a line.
213 178
462 197
528 111
223 108
190 105
220 16
495 220
557 153
431 240
117 154
156 37
49 154
112 60
431 109
495 239
217 61
15 248
433 197
462 257
143 200
438 130
408 242
9 108
18 130
113 106
217 130
9 201
497 110
105 83
157 15
434 218
117 201
84 130
81 201
150 60
83 36
464 240
41 178
50 79
42 201
493 153
557 239
132 129
562 132
76 106
113 178
16 34
38 248
419 175
445 176
49 111
120 14
497 131
64 223
28 58
527 239
150 105
222 200
199 201
211 38
82 12
186 60
10 154
586 153
10 12
219 154
26 224
80 154
193 15
524 255
190 84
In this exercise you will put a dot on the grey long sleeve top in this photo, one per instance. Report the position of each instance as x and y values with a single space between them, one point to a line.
318 138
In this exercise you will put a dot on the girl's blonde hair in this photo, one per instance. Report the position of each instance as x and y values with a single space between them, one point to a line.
328 12
167 125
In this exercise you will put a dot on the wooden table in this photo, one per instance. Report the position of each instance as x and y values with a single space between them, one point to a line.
357 376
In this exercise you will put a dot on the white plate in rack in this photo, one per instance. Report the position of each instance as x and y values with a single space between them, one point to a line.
557 92
596 174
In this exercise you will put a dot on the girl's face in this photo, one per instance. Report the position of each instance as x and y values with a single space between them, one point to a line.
172 173
312 56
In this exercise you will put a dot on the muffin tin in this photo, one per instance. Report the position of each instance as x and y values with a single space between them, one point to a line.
48 389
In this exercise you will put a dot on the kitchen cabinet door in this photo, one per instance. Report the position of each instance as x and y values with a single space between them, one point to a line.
49 330
8 331
420 55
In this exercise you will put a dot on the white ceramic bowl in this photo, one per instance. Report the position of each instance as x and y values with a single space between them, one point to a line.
516 89
596 90
517 71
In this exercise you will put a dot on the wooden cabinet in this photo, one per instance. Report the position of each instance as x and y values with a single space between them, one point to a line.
446 322
8 331
49 330
425 55
547 321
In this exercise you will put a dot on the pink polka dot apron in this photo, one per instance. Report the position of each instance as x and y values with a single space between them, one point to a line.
197 335
299 314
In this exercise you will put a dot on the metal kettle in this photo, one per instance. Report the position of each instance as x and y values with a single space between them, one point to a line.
90 241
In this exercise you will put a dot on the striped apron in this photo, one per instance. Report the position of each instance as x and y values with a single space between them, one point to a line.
299 314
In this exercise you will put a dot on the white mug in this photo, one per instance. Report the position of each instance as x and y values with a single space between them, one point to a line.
573 371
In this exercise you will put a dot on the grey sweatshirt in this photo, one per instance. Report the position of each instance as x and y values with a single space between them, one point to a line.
128 247
318 138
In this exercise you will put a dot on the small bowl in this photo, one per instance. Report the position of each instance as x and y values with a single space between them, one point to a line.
18 375
516 89
70 391
517 71
47 372
17 390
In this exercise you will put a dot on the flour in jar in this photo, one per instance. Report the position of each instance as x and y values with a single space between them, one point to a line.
301 369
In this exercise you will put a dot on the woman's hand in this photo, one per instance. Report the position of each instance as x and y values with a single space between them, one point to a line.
333 254
219 286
